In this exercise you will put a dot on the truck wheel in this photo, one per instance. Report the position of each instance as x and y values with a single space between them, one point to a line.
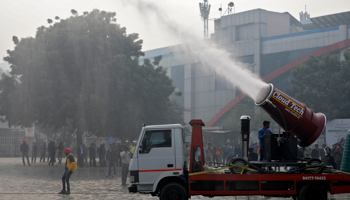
314 162
312 192
238 162
173 191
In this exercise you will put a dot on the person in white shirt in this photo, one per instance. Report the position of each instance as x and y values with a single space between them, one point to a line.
125 155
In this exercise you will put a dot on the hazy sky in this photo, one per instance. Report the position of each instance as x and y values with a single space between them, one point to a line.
22 17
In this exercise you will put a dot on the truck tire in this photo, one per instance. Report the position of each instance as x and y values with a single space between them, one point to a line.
312 192
173 191
239 162
314 162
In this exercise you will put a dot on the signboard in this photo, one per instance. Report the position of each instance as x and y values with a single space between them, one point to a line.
336 130
30 132
21 140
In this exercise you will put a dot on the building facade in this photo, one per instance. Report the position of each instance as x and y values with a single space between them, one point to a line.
271 44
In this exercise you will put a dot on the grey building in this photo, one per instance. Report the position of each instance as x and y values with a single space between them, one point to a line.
270 43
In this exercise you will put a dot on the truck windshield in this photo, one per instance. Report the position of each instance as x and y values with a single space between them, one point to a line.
156 139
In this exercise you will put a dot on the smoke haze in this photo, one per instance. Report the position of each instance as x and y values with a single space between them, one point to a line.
206 52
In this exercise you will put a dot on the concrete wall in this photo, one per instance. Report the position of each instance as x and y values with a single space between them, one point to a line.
303 40
277 23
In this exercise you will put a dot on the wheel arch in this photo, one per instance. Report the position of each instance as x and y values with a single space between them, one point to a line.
173 179
324 184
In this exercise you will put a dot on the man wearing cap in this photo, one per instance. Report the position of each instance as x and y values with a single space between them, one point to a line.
70 167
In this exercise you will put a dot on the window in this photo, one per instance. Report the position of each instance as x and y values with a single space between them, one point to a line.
155 139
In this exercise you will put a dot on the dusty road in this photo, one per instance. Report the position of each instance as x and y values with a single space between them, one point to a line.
40 181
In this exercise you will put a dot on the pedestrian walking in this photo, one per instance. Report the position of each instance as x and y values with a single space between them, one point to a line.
111 157
52 153
126 155
69 168
34 152
42 151
60 152
92 155
24 148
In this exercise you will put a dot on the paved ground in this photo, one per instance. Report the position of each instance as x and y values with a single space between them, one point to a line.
40 181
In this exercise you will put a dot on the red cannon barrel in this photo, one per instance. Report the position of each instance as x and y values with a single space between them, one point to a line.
301 121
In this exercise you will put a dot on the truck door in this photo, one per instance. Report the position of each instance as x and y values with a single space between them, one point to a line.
156 155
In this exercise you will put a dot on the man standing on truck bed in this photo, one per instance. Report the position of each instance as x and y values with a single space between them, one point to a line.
263 131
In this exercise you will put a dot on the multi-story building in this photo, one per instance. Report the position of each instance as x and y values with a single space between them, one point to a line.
270 43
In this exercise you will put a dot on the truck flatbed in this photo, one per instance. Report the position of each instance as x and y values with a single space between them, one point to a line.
265 184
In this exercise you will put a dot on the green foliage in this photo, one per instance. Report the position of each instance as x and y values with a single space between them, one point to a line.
82 73
323 85
74 12
15 40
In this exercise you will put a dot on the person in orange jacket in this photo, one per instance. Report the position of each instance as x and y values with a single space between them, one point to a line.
70 167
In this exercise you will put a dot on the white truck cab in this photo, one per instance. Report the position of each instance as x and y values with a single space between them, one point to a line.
158 159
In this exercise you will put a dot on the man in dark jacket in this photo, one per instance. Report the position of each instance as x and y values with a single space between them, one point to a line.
24 148
329 160
337 155
92 155
42 151
315 153
112 159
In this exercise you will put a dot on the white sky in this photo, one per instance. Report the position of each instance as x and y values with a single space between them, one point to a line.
22 17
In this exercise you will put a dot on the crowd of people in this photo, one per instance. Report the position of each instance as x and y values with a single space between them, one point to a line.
329 156
217 154
222 154
118 155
